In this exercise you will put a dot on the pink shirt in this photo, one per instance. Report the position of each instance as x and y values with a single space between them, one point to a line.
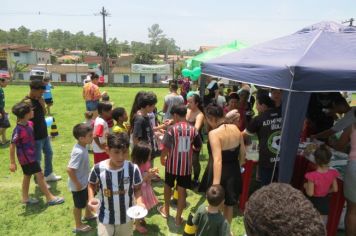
322 181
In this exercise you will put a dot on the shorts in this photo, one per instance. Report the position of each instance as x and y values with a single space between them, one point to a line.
183 181
31 168
321 204
101 156
80 198
350 181
4 121
92 105
115 230
49 101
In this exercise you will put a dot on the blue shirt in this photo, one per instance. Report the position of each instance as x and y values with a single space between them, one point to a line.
47 94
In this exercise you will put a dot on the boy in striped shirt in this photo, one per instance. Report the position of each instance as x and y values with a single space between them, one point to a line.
178 144
119 183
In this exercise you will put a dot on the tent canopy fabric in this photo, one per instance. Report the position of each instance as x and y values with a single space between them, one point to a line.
215 52
321 57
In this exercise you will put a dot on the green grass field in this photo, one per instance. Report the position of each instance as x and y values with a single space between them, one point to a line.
68 109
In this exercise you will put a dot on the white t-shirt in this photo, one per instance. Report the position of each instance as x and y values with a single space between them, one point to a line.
221 101
101 130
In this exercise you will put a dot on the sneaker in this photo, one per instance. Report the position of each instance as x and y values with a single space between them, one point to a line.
53 177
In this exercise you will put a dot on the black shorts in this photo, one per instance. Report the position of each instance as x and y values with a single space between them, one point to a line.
80 198
31 168
182 181
321 204
49 101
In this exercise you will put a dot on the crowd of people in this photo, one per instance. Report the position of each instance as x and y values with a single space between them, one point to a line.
124 147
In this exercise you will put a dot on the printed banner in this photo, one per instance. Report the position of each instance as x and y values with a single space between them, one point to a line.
150 69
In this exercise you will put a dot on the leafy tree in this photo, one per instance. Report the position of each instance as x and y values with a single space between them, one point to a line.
155 33
145 58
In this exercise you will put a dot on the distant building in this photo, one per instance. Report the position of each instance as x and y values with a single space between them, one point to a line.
22 54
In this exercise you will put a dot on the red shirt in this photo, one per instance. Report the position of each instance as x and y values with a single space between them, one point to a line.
322 181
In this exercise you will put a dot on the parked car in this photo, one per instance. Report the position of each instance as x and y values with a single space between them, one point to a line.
40 71
166 81
4 74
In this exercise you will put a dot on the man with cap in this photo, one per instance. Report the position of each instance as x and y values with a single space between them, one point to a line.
43 143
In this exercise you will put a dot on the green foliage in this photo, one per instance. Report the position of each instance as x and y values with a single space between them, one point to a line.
63 40
144 58
68 109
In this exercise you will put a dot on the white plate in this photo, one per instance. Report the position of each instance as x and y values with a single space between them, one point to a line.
136 212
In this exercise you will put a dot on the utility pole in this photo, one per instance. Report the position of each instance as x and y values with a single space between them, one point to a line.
105 67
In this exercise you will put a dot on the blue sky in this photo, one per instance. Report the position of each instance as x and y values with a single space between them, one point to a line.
190 22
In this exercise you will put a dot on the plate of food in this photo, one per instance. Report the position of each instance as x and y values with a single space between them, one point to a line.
136 212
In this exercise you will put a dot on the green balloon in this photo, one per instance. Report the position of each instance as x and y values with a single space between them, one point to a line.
196 71
194 77
186 73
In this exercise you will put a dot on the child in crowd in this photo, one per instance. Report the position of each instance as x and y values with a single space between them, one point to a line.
78 172
322 181
141 155
119 183
23 143
4 120
89 119
110 121
142 128
120 116
101 130
47 95
178 144
208 219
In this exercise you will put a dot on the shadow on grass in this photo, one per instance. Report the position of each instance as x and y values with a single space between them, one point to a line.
53 189
152 230
34 209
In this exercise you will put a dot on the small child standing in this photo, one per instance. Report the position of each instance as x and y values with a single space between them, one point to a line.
78 172
101 130
47 96
208 219
106 98
120 116
23 143
4 119
119 183
141 156
89 119
322 181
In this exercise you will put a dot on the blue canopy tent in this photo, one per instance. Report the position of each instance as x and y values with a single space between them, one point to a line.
321 57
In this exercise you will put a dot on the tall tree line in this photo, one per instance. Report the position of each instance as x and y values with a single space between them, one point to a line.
63 40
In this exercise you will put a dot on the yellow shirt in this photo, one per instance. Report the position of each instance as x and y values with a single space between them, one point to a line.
91 92
120 129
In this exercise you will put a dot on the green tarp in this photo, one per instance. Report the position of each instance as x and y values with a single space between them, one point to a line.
213 53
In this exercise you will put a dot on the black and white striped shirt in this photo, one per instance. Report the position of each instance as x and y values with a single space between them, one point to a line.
116 190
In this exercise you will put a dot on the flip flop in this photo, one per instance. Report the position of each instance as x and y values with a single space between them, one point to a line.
84 229
159 209
56 201
31 201
93 217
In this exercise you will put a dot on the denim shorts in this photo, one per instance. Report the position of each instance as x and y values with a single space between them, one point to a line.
92 105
